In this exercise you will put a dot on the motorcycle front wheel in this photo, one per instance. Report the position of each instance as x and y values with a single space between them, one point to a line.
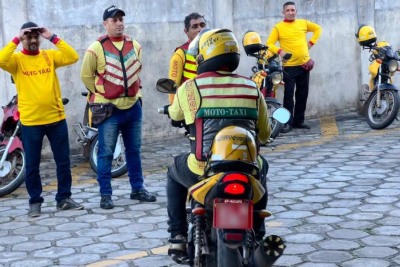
381 117
118 166
12 173
276 126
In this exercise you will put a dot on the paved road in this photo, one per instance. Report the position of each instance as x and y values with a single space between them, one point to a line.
334 193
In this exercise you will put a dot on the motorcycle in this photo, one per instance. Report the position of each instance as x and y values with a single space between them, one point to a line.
88 138
381 99
221 212
268 75
12 162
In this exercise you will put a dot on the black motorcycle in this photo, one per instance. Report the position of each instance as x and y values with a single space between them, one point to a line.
383 103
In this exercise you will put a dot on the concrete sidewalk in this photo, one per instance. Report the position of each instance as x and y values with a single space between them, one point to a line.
333 190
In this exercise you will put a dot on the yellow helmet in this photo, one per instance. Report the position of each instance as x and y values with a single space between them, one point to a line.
235 146
365 35
251 42
215 49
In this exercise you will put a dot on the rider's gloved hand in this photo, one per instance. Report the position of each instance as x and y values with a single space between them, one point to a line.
166 110
178 124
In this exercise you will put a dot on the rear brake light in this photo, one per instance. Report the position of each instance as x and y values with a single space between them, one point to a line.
234 189
235 177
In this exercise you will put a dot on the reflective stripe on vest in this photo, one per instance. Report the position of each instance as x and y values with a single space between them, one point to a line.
189 66
225 100
121 75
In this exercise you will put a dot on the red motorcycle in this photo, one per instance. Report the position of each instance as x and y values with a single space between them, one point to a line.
12 162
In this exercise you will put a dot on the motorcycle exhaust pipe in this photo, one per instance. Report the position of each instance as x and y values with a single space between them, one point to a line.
269 251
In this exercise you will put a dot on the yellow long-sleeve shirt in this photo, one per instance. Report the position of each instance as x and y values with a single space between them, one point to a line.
292 38
38 88
93 63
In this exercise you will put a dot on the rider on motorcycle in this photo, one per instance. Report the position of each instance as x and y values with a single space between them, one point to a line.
207 103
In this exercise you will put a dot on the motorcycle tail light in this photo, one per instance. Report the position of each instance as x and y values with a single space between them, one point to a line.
235 177
234 189
392 65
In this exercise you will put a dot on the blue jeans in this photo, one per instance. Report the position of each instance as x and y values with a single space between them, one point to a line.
32 139
129 123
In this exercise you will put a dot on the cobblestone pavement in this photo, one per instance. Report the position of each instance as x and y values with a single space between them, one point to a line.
334 193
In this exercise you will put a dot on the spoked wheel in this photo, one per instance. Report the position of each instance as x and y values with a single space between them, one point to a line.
118 167
379 117
12 173
276 126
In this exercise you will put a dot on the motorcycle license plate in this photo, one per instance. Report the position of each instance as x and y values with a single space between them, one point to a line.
233 214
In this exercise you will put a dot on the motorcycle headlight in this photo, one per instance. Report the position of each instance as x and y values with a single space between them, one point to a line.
392 65
276 77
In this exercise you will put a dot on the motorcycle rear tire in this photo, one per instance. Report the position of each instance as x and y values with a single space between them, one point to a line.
118 167
16 176
276 126
393 99
227 257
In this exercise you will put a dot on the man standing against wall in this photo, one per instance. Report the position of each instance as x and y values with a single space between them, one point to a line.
110 71
291 33
41 109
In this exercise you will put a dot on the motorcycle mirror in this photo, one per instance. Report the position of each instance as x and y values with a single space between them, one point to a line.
165 85
282 115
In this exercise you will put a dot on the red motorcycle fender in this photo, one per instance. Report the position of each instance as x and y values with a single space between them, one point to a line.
16 144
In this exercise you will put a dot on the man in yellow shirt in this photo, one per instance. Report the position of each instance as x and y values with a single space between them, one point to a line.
234 100
110 71
182 66
41 108
291 33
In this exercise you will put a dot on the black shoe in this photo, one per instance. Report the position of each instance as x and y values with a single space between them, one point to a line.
106 202
286 128
34 209
68 204
301 126
143 195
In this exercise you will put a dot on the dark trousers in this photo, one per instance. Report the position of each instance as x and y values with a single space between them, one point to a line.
180 178
32 139
296 77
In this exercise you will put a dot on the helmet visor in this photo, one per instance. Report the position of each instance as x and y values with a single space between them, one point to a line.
194 45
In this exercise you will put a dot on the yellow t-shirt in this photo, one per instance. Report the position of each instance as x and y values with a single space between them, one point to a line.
292 38
35 77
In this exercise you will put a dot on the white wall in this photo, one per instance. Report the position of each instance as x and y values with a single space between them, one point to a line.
340 67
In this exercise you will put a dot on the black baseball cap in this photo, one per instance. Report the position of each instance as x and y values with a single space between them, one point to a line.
111 11
29 25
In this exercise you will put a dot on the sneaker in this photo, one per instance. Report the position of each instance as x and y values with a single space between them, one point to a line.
34 209
177 249
106 202
143 195
68 204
